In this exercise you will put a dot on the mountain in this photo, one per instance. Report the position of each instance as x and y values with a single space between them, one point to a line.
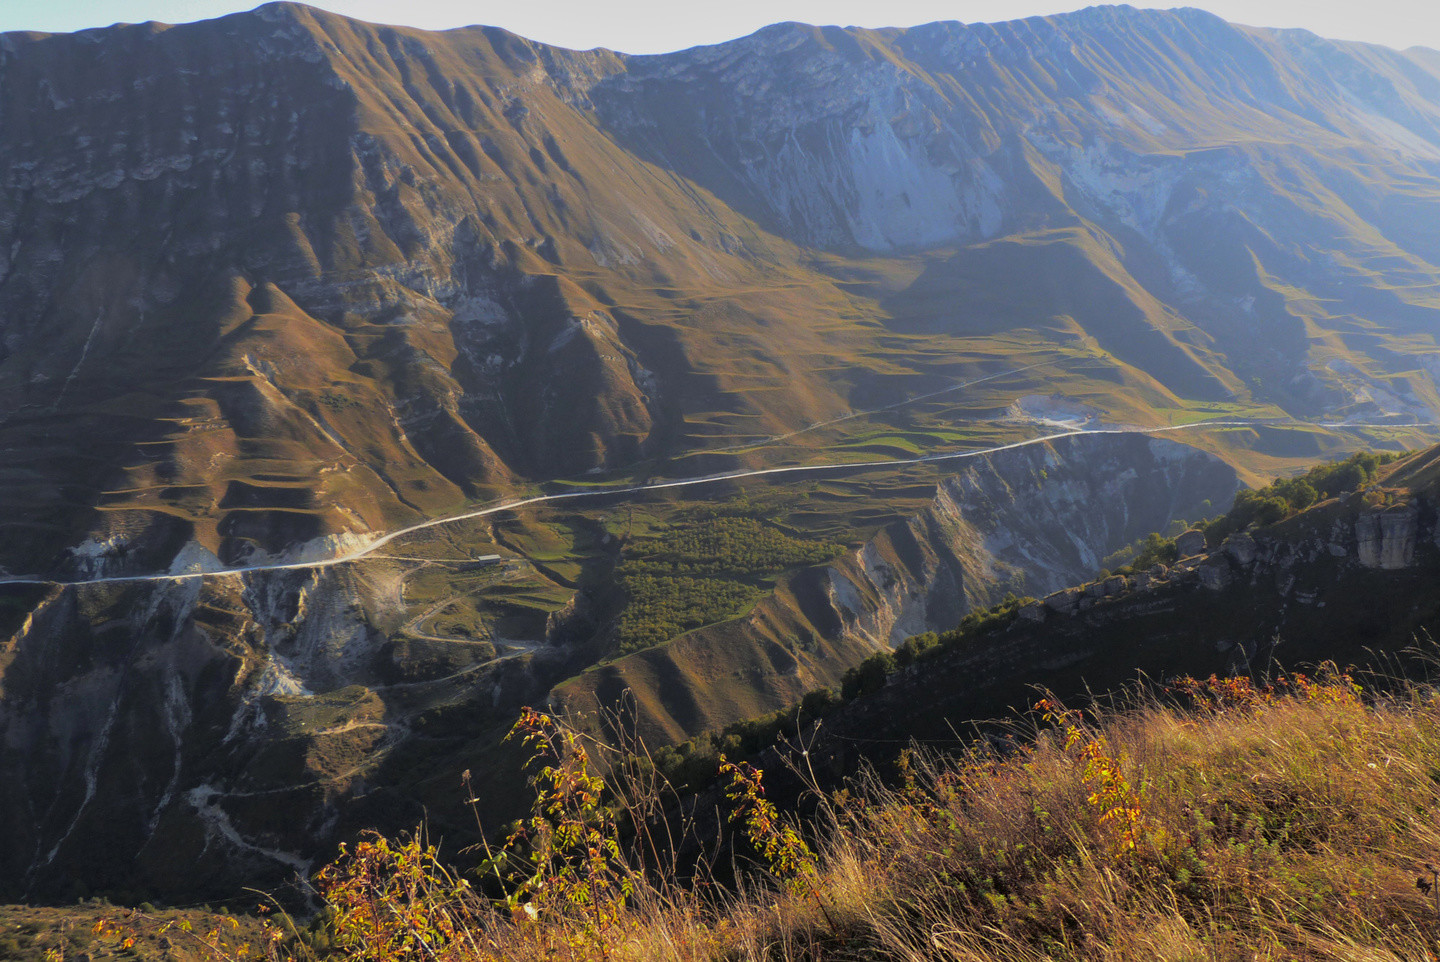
276 286
284 275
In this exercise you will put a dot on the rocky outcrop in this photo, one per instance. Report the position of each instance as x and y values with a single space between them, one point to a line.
1065 601
1240 548
1386 539
1190 543
1351 534
1215 573
1152 575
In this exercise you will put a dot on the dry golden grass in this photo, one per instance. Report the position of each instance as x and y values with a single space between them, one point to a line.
1226 822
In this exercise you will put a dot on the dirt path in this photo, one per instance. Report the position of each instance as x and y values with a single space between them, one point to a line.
361 554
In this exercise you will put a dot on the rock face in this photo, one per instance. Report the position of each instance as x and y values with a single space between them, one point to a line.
1240 548
1214 573
1386 539
1065 601
1190 543
180 740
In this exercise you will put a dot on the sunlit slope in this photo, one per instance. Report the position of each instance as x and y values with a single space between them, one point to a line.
1270 196
284 275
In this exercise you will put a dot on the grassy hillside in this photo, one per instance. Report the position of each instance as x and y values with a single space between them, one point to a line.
1219 819
97 930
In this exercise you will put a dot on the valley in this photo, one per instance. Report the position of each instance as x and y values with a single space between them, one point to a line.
621 492
361 386
323 681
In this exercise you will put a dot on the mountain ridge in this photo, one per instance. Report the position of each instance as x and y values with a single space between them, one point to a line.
479 190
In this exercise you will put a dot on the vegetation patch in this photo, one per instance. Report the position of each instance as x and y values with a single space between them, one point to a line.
1287 497
706 565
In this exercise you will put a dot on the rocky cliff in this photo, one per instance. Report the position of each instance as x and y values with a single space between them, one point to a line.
1350 580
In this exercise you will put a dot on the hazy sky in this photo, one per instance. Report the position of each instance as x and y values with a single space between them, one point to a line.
651 26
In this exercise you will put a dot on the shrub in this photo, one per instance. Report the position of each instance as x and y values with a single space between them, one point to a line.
819 702
868 676
914 647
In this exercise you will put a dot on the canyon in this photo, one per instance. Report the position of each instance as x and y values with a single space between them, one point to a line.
278 285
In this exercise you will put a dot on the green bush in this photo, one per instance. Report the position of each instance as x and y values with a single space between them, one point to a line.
817 703
912 648
868 676
1287 497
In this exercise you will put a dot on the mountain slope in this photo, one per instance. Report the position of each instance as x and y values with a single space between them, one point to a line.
1031 520
483 259
274 284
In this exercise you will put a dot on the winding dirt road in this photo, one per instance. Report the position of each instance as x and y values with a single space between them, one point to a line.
361 554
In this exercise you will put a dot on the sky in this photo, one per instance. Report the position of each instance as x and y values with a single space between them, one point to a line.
654 26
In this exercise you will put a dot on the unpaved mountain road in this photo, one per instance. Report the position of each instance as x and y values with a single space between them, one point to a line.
363 553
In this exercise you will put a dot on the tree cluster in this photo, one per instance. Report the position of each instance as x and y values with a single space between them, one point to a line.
704 568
